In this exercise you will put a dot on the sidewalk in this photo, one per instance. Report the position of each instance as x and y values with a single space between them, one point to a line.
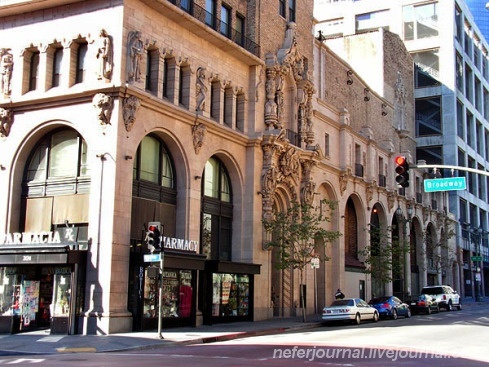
41 342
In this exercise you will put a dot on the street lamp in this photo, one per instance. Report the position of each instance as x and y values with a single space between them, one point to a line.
477 261
405 222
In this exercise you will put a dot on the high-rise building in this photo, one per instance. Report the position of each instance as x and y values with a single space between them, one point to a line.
480 12
451 83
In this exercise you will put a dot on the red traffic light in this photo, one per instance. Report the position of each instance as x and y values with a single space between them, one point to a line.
402 170
400 160
152 228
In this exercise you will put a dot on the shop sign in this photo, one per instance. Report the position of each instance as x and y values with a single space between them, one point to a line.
29 238
179 244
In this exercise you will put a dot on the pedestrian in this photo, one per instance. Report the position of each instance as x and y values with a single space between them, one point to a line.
339 294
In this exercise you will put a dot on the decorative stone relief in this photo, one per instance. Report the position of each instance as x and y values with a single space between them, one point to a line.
198 135
135 49
289 162
130 105
105 56
307 192
400 104
370 189
6 68
343 178
6 121
391 198
201 90
103 106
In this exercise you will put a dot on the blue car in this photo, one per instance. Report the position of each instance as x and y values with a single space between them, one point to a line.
390 307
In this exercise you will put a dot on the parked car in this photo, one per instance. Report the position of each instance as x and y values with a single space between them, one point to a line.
390 306
425 304
350 309
444 295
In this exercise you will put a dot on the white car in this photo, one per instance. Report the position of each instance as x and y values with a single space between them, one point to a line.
444 295
350 309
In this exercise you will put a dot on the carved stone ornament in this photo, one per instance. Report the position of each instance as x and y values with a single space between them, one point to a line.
6 121
103 105
289 162
307 192
6 68
391 198
201 90
135 50
130 105
198 135
343 178
105 55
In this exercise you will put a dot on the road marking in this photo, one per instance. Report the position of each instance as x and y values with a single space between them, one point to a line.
51 339
77 350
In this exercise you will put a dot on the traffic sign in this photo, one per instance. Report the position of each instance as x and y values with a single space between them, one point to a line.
151 258
315 263
445 184
476 258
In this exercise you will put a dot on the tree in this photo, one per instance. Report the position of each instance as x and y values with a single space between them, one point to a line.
384 256
299 235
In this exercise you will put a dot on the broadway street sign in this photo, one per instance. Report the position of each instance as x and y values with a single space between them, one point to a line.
445 184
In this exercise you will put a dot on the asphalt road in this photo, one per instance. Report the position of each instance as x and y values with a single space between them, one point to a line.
457 338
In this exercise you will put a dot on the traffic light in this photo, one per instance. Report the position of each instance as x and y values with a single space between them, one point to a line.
402 170
153 236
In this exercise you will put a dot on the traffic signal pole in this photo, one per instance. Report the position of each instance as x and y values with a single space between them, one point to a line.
160 296
458 168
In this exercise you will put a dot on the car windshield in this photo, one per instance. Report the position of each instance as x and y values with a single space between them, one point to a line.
342 302
432 290
374 301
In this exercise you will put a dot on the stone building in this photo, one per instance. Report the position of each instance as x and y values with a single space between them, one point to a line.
202 119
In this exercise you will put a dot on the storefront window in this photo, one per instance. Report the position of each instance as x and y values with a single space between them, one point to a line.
230 295
62 292
9 297
177 293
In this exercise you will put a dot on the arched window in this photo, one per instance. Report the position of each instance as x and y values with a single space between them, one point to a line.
59 155
56 185
153 170
217 211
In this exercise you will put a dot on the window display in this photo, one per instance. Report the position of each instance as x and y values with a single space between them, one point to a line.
230 295
62 292
177 293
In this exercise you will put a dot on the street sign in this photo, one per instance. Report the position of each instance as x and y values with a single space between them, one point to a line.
476 258
151 258
315 263
445 184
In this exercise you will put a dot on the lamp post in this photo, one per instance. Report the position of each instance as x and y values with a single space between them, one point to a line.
478 274
406 237
477 261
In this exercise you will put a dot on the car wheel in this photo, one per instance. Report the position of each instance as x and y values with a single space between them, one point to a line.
428 310
437 309
459 307
408 313
394 314
449 306
375 317
357 320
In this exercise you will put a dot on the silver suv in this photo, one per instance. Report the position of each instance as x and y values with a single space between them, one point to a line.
446 297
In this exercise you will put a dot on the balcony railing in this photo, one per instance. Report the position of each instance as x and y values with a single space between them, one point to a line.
358 170
382 180
223 28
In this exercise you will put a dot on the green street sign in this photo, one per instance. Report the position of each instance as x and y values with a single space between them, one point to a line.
445 184
476 258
